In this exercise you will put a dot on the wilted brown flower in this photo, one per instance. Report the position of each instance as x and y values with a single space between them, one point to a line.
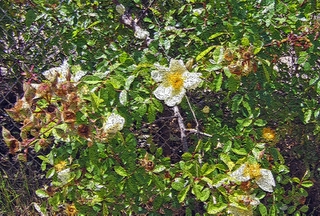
84 130
228 55
68 116
14 146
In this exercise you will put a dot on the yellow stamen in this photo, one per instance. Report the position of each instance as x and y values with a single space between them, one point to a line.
252 170
175 80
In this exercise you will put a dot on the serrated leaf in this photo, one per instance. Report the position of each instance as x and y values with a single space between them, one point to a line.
120 171
183 194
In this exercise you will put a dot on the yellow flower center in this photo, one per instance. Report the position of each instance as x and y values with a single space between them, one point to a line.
60 166
175 80
252 170
268 134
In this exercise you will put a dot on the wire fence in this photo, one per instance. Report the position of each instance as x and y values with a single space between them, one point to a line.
21 173
19 176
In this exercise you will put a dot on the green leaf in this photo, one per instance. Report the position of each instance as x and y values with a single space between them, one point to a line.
263 210
205 52
183 194
50 172
30 17
132 185
200 193
42 193
236 101
240 151
216 208
304 208
186 156
266 72
260 122
96 101
226 159
215 35
157 202
91 80
307 184
158 168
218 82
246 105
120 171
178 184
307 116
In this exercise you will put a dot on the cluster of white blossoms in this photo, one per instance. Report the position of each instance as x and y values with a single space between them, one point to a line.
62 74
113 124
262 177
174 81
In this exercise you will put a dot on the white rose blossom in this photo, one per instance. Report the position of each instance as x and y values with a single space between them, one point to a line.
262 177
174 81
113 124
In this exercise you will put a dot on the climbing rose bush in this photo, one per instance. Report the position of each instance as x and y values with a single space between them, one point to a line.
112 128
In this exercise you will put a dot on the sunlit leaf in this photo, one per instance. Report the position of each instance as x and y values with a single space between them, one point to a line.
183 193
120 171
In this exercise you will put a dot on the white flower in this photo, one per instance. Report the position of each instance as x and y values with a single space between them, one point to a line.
120 9
262 177
174 82
113 124
141 33
62 74
64 176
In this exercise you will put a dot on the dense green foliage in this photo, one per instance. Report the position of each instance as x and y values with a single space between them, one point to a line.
258 63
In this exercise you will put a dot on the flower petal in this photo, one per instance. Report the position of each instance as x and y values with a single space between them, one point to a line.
266 181
238 174
177 66
157 75
163 92
114 123
175 99
57 72
191 80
